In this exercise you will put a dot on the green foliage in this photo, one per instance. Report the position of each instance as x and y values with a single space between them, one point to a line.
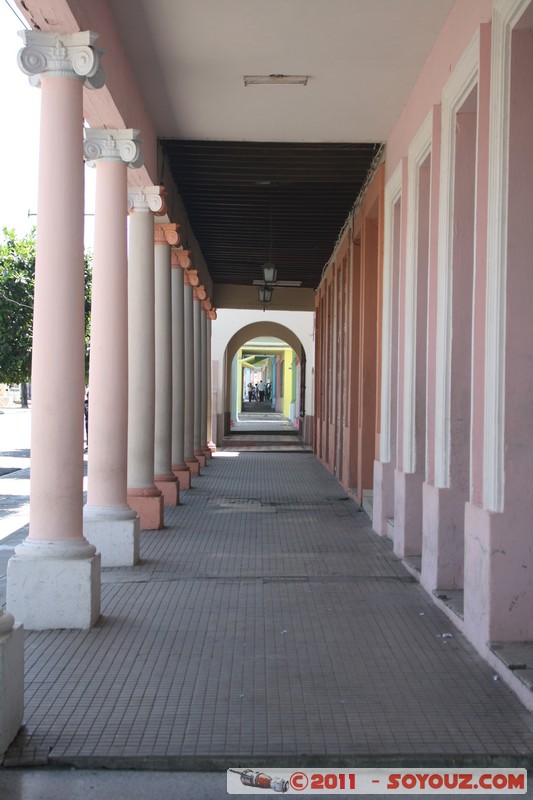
88 279
17 278
17 273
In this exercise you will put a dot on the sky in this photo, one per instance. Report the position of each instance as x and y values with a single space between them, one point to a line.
19 136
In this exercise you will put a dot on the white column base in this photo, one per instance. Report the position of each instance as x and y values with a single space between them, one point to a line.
11 679
116 534
54 584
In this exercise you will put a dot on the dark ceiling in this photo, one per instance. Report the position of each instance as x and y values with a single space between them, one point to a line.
251 202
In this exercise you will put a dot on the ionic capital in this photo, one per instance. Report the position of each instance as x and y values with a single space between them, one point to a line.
191 277
181 259
199 292
207 304
212 314
148 199
67 55
113 145
166 233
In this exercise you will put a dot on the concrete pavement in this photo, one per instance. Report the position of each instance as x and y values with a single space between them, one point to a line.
266 625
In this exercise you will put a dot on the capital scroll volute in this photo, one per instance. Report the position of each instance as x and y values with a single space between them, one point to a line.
166 233
147 199
199 292
191 277
106 144
181 259
71 55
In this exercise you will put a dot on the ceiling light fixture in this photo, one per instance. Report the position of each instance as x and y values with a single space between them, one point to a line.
270 272
258 80
264 295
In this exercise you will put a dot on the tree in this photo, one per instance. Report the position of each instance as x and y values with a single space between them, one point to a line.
17 279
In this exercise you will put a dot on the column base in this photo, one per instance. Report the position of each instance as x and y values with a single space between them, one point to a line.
407 514
194 466
207 453
115 532
183 474
200 457
169 488
383 497
498 591
54 584
443 538
11 680
212 447
148 503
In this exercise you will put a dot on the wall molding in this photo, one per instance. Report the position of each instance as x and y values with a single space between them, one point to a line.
463 79
418 152
393 193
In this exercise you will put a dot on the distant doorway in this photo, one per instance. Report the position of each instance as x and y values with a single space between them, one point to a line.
266 385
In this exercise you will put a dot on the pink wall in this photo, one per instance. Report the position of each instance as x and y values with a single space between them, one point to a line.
456 34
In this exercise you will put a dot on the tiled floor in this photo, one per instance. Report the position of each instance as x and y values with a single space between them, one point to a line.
266 623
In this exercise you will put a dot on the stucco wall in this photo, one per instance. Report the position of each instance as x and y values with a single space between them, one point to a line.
458 30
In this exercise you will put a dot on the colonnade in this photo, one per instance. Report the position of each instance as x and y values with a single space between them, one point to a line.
149 377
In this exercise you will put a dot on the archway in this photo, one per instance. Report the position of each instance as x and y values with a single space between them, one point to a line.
282 361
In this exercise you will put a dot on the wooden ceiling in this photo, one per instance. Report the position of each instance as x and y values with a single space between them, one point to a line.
251 202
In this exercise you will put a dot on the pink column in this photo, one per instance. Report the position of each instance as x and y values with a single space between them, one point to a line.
143 495
211 315
199 294
165 480
191 280
206 374
180 263
54 577
109 523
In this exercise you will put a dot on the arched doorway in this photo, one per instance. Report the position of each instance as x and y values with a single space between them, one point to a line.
265 385
271 352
